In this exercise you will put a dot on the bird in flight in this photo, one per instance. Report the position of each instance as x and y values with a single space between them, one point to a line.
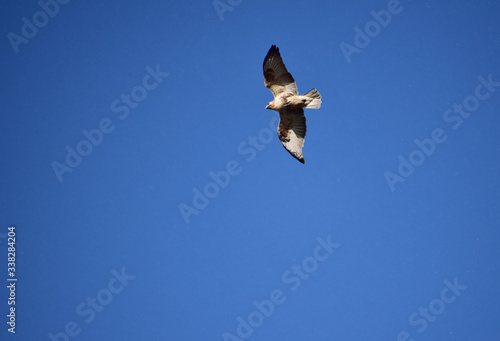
288 102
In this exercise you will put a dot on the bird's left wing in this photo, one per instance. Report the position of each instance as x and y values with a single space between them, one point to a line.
276 76
292 131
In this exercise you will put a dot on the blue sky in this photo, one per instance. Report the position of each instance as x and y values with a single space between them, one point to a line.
153 200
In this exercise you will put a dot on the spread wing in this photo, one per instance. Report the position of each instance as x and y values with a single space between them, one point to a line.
276 76
292 131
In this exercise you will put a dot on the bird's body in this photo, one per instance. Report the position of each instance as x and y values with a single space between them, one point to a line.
292 101
287 101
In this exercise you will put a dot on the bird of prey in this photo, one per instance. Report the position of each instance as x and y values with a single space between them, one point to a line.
288 102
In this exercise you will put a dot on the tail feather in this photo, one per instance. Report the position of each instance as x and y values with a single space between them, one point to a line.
315 99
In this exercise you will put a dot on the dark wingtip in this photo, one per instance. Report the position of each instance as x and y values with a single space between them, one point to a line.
273 51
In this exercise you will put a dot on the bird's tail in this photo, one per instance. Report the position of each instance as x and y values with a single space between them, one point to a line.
313 99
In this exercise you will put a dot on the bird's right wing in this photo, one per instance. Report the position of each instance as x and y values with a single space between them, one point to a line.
292 131
276 76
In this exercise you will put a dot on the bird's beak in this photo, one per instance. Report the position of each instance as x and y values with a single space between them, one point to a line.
267 106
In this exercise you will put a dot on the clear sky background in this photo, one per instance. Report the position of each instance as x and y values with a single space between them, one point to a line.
186 219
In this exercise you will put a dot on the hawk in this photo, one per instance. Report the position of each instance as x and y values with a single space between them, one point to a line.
288 102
